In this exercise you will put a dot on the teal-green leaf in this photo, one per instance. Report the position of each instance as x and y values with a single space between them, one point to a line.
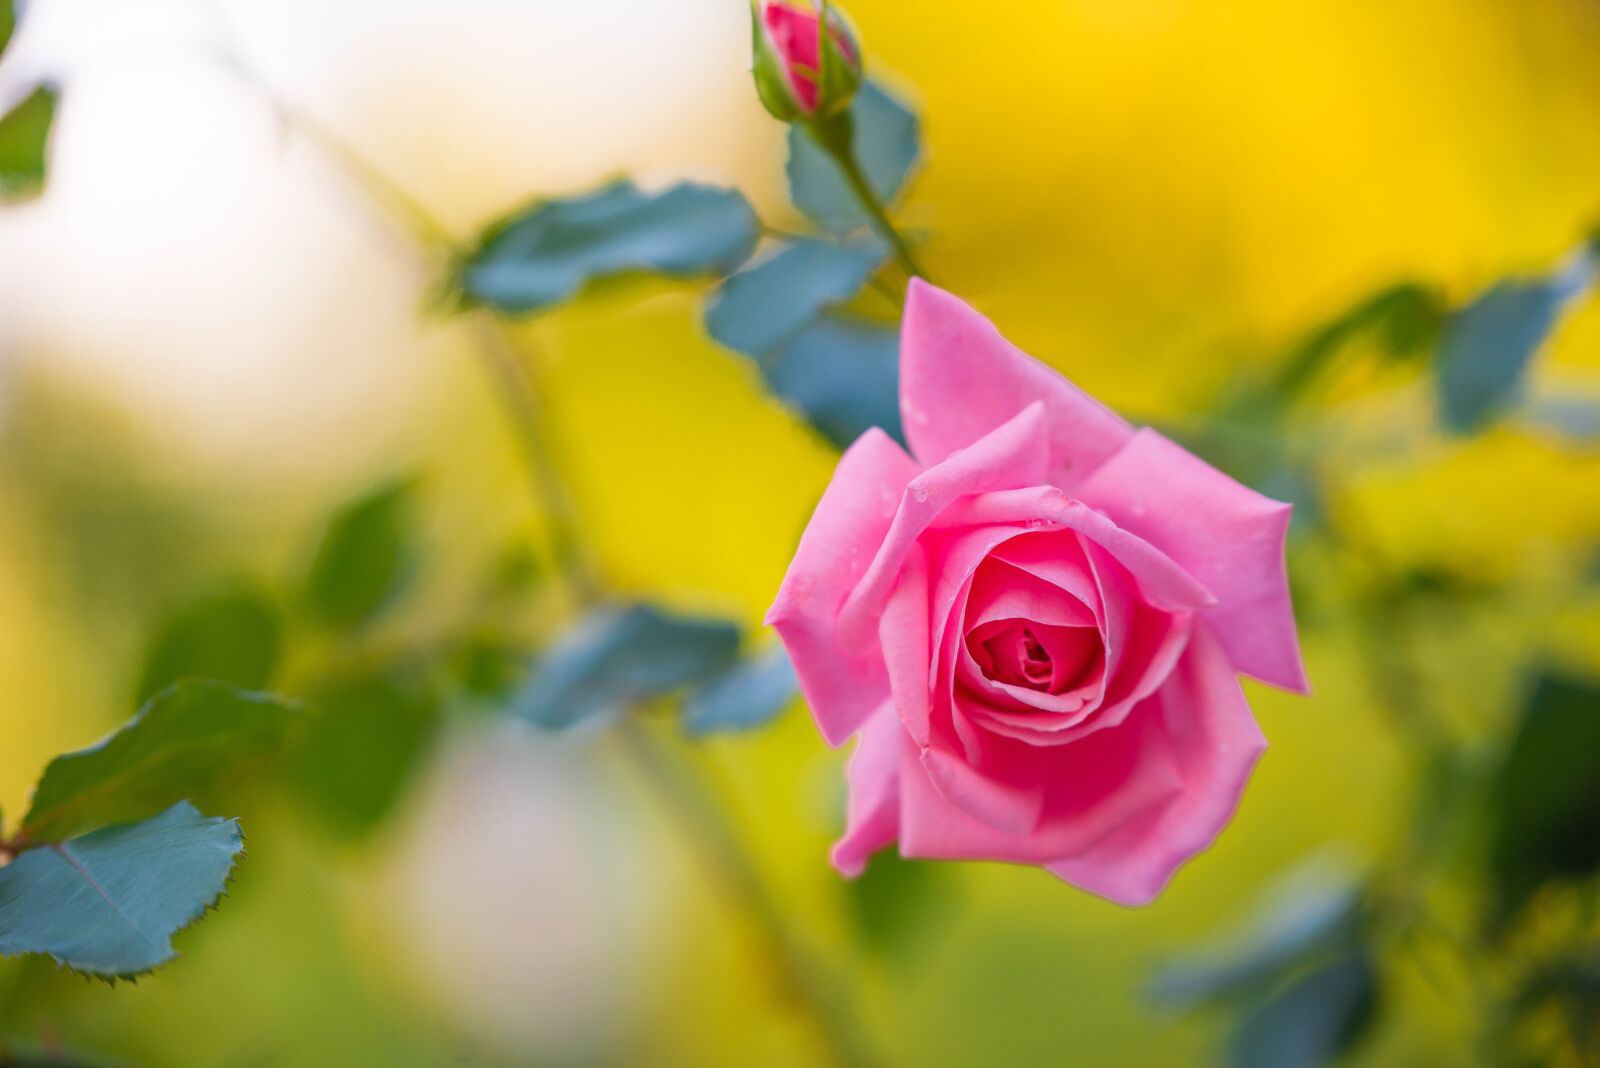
1489 344
362 741
1575 418
367 557
1545 800
617 656
746 695
232 635
761 307
841 374
545 255
1315 913
887 143
185 740
24 141
1312 1021
108 903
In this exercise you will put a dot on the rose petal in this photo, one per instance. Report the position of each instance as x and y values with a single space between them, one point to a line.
794 34
872 818
903 635
1162 582
1010 456
959 380
1228 536
1216 743
1078 795
842 683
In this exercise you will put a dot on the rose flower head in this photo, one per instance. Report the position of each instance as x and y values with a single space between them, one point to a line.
1034 622
800 71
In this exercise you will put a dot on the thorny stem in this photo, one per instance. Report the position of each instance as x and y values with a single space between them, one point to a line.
691 803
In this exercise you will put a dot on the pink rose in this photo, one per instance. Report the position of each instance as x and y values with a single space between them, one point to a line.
791 36
1034 623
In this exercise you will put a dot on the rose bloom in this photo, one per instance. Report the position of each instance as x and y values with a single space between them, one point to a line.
1034 623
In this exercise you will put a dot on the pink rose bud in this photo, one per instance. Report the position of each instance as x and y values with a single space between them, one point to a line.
801 72
1033 622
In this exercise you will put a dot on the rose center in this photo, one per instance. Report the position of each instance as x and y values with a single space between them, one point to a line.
1037 656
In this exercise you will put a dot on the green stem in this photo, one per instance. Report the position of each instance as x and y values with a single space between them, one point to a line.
840 147
519 395
696 807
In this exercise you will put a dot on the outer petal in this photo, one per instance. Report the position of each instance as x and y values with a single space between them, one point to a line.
1011 456
842 683
1217 743
1228 536
959 379
873 817
1073 796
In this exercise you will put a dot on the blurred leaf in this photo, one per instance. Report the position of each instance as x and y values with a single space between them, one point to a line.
886 140
233 635
1405 318
1316 912
744 696
843 375
759 308
1545 808
363 740
488 667
1311 1021
1577 418
108 903
183 741
24 139
895 902
1489 344
618 656
546 254
8 22
366 559
1571 984
515 572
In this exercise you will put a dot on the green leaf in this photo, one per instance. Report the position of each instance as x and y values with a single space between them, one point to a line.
886 142
895 902
108 903
1406 319
24 140
8 22
1312 912
1545 798
842 375
233 635
1489 344
1312 1021
488 666
363 740
746 695
546 254
366 559
616 657
761 307
181 743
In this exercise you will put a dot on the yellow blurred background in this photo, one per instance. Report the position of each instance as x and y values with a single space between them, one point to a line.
209 334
